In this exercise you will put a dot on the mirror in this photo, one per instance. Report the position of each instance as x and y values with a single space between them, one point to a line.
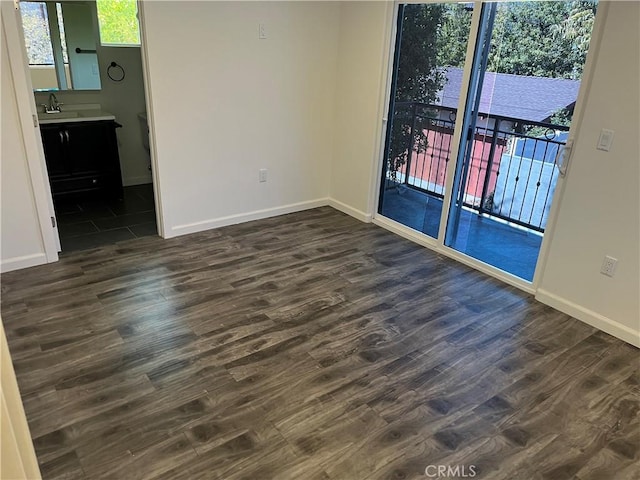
61 45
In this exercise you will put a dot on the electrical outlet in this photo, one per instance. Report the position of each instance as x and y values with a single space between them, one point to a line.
262 175
262 31
609 266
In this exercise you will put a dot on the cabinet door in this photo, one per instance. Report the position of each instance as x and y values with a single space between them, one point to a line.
89 147
54 142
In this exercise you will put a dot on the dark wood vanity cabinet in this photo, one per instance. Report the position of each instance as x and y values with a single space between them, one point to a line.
82 157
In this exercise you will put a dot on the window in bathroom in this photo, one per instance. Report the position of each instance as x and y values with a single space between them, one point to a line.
118 22
35 23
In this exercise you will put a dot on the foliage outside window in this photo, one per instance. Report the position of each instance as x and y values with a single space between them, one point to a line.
118 22
544 39
63 37
35 23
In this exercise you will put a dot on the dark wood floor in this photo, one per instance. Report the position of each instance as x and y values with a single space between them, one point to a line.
309 346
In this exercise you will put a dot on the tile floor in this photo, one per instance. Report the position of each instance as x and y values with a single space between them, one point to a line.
94 222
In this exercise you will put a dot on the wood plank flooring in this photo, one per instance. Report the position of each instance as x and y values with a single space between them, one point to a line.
309 346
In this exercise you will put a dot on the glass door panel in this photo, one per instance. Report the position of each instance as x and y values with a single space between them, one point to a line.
525 79
431 46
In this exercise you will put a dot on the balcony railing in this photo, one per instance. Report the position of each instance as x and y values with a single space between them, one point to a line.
512 171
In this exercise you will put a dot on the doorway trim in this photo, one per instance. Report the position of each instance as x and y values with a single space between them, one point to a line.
29 126
155 172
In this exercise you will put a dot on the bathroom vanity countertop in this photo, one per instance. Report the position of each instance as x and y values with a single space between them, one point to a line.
76 113
67 116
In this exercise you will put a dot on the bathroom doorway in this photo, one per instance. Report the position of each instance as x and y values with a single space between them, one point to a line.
89 77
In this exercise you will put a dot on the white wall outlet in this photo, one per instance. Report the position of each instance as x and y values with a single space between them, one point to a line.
609 266
262 31
262 175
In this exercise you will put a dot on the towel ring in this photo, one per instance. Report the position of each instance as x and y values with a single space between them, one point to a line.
116 76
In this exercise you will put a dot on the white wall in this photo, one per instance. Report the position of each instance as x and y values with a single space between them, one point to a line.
365 29
20 237
44 76
126 100
226 103
600 210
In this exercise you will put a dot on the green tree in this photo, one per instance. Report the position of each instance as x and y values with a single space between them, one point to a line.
418 79
541 38
453 36
118 21
35 24
544 39
577 27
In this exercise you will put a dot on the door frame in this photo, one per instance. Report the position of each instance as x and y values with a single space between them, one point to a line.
153 149
30 128
32 140
438 244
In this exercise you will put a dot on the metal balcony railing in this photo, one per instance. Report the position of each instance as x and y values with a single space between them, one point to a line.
512 171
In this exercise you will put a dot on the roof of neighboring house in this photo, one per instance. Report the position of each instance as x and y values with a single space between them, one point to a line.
517 96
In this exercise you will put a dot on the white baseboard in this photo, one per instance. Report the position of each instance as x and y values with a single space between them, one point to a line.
589 317
245 217
405 232
140 180
26 261
353 212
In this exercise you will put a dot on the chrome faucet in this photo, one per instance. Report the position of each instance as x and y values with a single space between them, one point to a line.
53 106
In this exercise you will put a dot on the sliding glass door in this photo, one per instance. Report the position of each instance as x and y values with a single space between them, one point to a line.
429 59
518 70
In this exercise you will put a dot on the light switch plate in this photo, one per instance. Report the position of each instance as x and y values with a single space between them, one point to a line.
605 140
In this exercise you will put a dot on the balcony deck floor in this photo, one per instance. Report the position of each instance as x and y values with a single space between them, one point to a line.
508 248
